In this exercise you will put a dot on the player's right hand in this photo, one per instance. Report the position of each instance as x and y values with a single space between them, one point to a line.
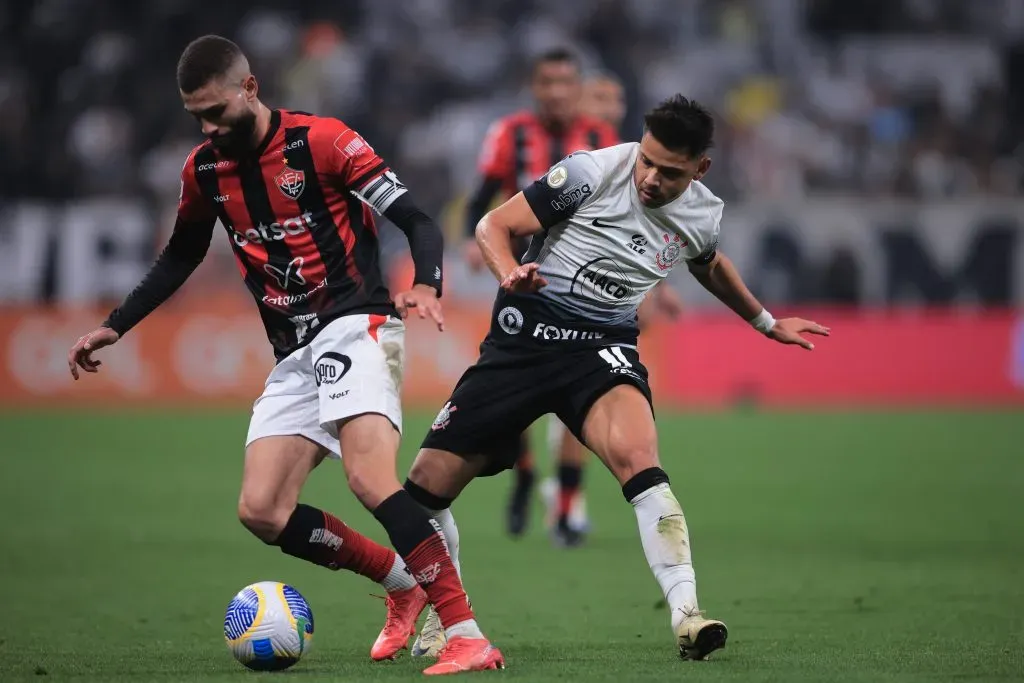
473 257
524 279
80 355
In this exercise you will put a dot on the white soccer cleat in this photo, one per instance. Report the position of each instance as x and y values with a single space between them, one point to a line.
431 639
699 637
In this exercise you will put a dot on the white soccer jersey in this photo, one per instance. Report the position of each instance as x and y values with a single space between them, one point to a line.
601 250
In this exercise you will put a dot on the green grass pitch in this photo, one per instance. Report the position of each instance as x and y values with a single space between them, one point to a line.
869 547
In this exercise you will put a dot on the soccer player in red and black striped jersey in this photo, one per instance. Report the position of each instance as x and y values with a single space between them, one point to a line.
520 148
296 194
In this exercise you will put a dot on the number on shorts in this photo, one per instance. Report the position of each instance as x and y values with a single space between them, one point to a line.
614 357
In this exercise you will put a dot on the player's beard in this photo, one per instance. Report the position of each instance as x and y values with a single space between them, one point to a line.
652 199
239 140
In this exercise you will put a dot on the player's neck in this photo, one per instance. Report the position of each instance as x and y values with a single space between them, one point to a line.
553 125
262 128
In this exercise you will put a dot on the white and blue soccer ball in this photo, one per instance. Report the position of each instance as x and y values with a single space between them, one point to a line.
268 626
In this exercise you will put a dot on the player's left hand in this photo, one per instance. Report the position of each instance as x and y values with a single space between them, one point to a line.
790 330
423 298
524 279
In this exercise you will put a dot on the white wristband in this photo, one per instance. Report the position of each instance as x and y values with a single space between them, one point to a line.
763 322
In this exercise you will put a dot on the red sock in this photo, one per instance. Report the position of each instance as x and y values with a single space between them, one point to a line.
566 497
431 566
321 538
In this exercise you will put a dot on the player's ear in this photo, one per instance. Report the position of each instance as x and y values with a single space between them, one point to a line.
702 167
250 87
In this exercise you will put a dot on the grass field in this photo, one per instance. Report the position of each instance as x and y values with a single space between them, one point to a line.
837 547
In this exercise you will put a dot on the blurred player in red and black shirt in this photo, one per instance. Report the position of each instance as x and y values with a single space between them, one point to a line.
518 149
296 194
523 146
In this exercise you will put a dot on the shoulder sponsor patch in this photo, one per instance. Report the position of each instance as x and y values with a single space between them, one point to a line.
351 144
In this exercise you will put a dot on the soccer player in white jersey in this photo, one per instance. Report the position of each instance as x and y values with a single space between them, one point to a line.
607 226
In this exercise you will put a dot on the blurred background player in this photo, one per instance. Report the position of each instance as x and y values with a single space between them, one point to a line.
519 149
603 97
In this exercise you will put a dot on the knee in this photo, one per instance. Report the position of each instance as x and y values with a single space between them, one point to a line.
626 460
262 516
361 482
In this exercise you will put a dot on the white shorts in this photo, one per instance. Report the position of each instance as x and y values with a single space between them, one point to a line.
354 366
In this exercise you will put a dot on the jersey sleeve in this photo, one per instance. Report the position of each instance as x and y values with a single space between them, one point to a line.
607 136
709 232
569 186
496 159
193 207
357 167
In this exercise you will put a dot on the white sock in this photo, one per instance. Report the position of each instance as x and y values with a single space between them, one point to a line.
464 629
666 542
446 520
399 578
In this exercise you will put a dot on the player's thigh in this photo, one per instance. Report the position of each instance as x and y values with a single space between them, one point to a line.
608 408
489 410
445 474
275 470
619 428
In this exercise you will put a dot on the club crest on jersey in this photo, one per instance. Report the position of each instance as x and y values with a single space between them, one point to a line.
291 182
672 252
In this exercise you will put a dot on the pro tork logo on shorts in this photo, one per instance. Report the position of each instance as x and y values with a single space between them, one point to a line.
330 367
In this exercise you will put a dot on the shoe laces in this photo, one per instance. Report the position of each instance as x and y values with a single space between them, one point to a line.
689 614
454 647
391 620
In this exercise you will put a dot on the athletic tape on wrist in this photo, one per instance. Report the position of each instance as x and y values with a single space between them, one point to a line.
763 322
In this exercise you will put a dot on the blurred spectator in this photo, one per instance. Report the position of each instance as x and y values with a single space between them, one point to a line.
877 97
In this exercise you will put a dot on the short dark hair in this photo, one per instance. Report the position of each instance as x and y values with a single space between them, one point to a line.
682 125
204 59
554 56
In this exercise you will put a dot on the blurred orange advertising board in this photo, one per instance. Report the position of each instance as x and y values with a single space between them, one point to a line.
182 355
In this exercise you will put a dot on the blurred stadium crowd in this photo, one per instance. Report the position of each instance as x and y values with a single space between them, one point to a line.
906 98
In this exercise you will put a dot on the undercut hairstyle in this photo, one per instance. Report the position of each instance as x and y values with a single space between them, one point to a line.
205 59
556 55
682 125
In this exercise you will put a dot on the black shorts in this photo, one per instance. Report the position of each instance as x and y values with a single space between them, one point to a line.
508 389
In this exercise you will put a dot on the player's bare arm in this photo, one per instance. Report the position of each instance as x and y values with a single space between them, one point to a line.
494 233
184 252
720 277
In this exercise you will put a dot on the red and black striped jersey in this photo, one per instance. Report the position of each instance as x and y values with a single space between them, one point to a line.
298 214
519 149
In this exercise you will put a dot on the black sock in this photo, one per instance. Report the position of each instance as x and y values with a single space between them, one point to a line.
321 538
570 477
408 525
425 498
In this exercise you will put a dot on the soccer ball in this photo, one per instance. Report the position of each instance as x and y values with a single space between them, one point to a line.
268 626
